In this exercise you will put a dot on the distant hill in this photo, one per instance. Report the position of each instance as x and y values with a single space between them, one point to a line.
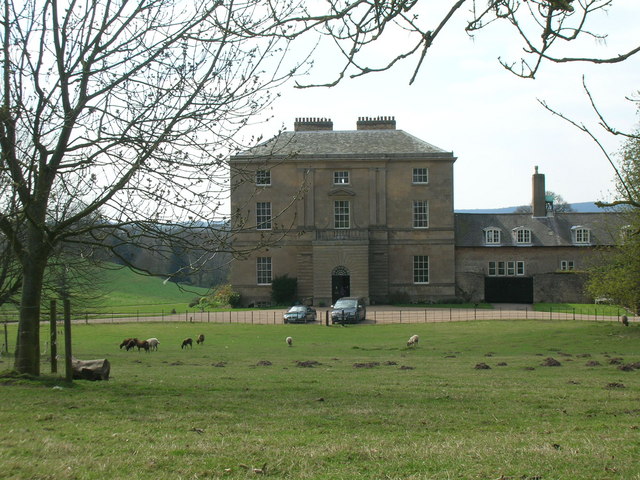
582 207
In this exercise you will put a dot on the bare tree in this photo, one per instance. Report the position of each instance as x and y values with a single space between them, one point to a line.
544 28
130 109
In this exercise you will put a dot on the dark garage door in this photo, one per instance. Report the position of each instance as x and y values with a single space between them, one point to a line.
508 290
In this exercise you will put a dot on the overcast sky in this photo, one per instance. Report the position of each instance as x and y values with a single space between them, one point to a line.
464 101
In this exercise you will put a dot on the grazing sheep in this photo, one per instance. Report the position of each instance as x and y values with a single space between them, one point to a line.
200 339
153 343
625 320
131 344
141 344
125 342
187 341
289 341
413 340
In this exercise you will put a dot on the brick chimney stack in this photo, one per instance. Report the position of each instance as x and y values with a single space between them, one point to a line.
379 123
538 203
312 124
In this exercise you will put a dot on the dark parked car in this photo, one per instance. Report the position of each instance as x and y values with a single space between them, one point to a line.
300 314
348 310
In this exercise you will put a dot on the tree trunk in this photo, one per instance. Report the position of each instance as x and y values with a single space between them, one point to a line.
91 369
28 343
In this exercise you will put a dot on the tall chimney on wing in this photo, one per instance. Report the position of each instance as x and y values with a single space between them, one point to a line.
538 203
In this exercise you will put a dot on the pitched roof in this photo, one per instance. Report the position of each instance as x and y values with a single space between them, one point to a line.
345 143
550 231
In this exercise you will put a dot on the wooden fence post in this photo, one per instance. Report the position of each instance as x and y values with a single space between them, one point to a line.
53 336
67 341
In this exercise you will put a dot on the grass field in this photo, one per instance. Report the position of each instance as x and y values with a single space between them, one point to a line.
341 403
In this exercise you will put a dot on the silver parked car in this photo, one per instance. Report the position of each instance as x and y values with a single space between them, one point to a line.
348 310
300 314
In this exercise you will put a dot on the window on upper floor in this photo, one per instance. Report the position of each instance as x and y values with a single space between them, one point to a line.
263 270
566 265
492 236
263 215
342 214
420 214
263 178
420 175
421 269
522 236
580 235
341 177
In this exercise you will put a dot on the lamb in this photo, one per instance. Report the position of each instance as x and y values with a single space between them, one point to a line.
187 341
289 341
413 340
153 343
200 339
125 342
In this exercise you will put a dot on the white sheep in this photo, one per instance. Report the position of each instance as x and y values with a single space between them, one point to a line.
289 341
413 340
153 343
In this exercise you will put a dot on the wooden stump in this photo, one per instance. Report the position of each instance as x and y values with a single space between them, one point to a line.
91 369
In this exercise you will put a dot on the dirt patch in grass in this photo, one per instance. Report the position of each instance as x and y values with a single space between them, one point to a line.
550 362
264 363
593 363
366 365
482 366
626 368
501 364
615 361
407 367
615 385
219 364
307 364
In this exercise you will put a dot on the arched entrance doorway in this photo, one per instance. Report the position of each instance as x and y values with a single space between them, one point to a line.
340 283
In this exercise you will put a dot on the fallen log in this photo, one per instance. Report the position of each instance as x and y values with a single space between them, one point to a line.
90 369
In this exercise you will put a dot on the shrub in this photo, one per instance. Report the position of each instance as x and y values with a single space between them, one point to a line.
235 300
284 290
222 296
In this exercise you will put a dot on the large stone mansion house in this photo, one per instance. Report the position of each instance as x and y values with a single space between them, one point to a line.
369 213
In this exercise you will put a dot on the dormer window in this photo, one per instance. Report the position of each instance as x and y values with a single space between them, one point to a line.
522 236
341 177
492 236
581 235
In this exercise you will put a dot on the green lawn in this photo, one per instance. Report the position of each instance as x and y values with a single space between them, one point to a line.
341 403
581 308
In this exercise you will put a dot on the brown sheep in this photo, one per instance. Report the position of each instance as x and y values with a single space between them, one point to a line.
200 339
125 342
141 344
187 341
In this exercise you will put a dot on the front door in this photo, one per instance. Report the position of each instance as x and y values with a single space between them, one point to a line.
340 283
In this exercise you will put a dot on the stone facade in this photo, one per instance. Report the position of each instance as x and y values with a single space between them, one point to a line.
369 213
343 213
